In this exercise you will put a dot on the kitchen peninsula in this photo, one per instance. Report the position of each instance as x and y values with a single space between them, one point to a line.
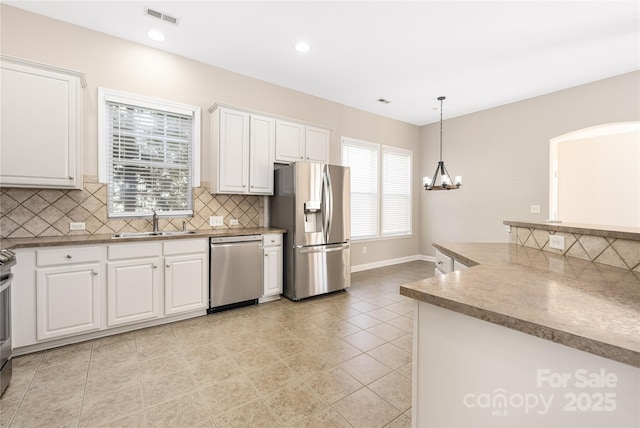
525 338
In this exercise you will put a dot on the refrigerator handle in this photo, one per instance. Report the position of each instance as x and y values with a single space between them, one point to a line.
328 205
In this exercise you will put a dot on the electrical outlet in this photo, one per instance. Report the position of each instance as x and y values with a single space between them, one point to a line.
77 226
535 209
557 242
233 222
507 227
364 250
216 220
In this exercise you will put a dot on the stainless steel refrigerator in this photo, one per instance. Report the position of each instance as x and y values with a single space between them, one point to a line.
312 202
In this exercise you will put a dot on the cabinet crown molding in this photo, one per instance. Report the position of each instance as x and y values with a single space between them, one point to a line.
29 63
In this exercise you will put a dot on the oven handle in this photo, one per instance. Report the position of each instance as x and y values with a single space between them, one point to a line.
6 283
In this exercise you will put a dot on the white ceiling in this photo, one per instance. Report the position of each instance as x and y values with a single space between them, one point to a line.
479 54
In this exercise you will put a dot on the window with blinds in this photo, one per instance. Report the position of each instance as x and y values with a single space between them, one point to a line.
149 155
362 158
396 191
380 188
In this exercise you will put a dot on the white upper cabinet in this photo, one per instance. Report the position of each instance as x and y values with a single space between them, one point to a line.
298 142
41 133
241 152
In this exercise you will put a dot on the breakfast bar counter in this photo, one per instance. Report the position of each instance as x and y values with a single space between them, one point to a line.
525 337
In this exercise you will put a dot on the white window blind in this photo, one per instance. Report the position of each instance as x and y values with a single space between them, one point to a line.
396 191
362 158
149 158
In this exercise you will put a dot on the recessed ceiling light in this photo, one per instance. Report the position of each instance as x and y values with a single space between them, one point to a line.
302 47
156 35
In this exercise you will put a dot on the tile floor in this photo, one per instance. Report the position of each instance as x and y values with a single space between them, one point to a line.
341 360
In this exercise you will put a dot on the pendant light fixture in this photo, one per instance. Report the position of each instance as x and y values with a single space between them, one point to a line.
441 170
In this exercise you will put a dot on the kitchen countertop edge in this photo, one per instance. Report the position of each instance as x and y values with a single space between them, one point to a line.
427 291
630 233
38 242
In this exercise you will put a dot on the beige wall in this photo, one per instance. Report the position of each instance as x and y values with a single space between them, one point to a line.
117 64
503 155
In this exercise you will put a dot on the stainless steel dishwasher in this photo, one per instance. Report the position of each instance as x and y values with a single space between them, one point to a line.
235 272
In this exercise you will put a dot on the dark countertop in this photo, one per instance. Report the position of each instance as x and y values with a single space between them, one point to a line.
580 304
621 232
87 239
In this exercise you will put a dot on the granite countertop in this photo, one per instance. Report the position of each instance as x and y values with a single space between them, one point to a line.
621 232
584 305
16 243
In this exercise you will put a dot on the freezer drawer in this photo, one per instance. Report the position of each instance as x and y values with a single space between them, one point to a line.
235 272
319 269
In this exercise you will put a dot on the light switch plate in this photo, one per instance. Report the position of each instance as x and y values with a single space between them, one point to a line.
216 220
535 209
77 226
557 242
233 222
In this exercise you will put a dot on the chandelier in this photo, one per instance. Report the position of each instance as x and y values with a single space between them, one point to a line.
441 170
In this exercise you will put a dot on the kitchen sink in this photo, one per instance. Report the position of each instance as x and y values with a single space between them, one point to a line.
151 234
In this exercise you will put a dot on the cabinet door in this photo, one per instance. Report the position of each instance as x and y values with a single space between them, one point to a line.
233 149
317 145
68 300
261 152
289 141
40 104
272 266
133 291
185 283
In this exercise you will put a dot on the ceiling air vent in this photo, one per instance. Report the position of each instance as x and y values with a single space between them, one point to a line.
163 16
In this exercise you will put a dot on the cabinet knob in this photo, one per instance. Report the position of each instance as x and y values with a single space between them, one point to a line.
301 157
69 256
273 240
94 272
266 254
168 265
155 266
70 177
439 262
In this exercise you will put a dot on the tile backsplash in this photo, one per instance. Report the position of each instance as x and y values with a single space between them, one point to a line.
48 212
622 253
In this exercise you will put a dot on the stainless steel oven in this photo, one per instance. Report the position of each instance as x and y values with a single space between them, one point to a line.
7 259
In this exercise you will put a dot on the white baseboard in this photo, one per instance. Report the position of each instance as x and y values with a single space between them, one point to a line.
390 262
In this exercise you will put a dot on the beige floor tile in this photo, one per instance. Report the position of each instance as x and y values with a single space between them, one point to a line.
403 308
7 410
67 416
111 346
256 358
364 306
288 346
51 396
254 414
332 384
364 340
404 323
395 389
305 363
364 321
227 395
134 420
383 314
326 417
153 346
208 372
185 411
60 375
341 328
100 409
365 369
104 362
162 366
390 355
364 409
294 402
386 331
160 389
405 370
202 351
402 421
336 352
404 342
272 377
16 389
71 354
117 378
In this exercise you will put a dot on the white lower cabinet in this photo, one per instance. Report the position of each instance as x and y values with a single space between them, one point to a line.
185 276
68 300
272 267
133 291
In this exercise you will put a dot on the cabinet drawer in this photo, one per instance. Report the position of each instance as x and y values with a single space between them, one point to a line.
185 246
68 255
272 239
133 251
444 263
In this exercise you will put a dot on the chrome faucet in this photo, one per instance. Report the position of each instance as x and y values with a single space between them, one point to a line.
155 221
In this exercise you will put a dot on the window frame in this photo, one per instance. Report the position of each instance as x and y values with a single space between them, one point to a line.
109 95
381 148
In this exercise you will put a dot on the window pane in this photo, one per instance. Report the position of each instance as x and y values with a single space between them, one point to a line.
396 191
362 158
150 160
